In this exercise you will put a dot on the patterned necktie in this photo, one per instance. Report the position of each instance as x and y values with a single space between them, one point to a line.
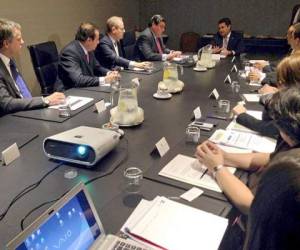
87 58
158 46
19 80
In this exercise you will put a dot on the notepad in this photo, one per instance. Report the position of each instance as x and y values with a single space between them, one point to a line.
75 102
190 170
162 224
252 97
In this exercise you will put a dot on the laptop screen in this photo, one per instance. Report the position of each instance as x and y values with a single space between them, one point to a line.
73 226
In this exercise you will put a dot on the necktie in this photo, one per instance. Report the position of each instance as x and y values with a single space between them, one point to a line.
19 80
158 46
225 42
87 58
116 48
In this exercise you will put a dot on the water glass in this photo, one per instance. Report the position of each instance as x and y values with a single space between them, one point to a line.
192 134
64 109
235 86
224 106
133 179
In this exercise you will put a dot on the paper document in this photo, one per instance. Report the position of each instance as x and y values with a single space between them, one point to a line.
75 102
252 97
255 114
244 140
190 170
164 225
238 127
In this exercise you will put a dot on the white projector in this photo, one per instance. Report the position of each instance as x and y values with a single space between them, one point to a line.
81 145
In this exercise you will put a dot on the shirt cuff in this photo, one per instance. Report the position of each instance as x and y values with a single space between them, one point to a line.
102 81
131 65
164 57
233 52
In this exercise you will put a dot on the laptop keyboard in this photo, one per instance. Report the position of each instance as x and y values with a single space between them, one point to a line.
121 245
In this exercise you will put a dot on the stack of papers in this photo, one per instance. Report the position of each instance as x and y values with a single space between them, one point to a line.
252 97
75 102
160 224
244 140
190 170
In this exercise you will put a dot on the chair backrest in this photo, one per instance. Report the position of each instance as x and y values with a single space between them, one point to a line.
189 42
128 43
44 58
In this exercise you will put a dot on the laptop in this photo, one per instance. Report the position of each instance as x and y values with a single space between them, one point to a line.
71 223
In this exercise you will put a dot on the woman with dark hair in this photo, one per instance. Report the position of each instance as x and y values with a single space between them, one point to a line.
274 218
284 109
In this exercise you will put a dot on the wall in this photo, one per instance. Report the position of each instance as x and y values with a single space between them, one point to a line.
58 20
254 17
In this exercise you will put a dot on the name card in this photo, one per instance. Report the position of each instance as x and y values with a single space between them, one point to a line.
214 94
227 79
162 146
100 106
234 68
10 154
197 113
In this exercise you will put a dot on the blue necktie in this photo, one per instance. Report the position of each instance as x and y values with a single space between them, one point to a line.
19 80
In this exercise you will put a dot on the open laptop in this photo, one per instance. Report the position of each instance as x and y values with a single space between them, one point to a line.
71 223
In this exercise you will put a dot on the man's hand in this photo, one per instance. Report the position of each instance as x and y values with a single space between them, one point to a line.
210 155
216 50
173 54
55 99
267 89
239 109
254 76
112 76
260 64
143 65
226 52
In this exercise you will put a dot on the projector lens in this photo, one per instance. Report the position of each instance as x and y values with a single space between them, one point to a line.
81 150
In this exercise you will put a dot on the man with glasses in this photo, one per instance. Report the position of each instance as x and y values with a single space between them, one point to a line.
109 52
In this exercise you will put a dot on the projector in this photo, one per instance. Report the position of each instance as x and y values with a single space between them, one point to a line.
82 145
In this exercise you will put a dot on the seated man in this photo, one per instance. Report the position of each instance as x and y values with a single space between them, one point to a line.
227 42
14 93
268 71
78 66
109 52
149 46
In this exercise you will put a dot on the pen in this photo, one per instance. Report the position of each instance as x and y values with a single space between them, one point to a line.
206 170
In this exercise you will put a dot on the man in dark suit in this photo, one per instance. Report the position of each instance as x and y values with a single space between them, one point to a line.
149 46
14 92
226 41
109 52
78 66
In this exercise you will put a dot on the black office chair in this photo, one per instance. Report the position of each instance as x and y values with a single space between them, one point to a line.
128 43
44 57
189 42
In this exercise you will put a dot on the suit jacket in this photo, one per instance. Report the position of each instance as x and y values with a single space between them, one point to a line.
105 53
10 98
265 127
235 42
75 71
146 48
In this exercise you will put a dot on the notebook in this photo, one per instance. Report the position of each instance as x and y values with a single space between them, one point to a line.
71 223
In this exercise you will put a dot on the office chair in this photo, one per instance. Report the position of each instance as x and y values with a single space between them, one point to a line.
44 57
189 42
128 43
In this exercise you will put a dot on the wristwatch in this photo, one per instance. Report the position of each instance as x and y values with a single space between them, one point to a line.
216 169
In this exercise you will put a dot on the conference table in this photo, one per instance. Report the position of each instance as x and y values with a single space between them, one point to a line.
163 118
